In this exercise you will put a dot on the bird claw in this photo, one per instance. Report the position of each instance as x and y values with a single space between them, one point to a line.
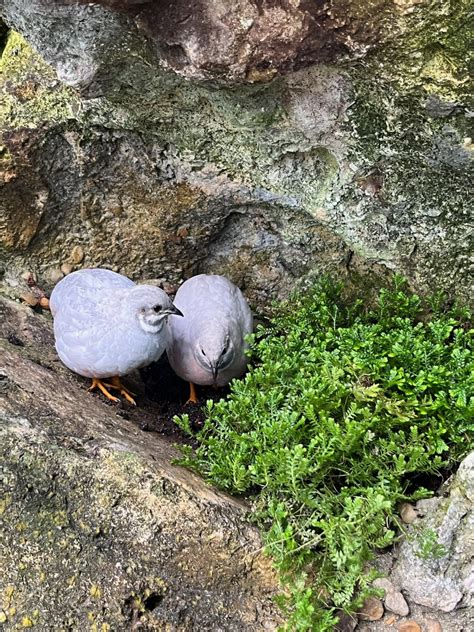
115 384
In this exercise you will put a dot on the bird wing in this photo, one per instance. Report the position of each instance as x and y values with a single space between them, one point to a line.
86 286
86 306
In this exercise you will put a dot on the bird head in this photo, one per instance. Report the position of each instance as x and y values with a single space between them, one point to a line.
152 307
214 349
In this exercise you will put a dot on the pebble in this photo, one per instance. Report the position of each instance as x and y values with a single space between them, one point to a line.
346 623
408 513
433 625
77 255
384 584
44 302
55 275
372 610
396 603
409 626
29 298
393 598
67 268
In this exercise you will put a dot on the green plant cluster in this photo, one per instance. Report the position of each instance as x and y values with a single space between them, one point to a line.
342 407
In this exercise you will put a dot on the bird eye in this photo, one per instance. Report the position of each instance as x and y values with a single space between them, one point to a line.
157 308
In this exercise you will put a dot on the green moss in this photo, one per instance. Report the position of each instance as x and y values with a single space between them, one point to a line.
31 94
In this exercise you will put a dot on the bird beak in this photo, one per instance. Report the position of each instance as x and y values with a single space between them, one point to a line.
215 370
174 310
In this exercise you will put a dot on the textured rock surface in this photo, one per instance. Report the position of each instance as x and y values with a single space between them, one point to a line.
435 563
251 39
99 530
343 167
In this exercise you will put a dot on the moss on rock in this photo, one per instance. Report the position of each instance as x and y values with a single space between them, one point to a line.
32 95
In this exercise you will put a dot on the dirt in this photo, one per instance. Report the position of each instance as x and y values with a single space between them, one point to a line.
165 396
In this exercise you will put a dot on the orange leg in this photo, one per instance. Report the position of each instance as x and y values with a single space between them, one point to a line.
192 394
98 384
115 383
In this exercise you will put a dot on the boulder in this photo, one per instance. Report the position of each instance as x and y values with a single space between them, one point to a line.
99 529
150 136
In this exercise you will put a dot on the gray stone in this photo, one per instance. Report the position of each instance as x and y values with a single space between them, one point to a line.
435 561
99 529
396 603
393 598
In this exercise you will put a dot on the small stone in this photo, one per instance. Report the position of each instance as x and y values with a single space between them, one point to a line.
44 302
433 625
77 255
391 620
409 626
393 598
55 275
383 583
67 268
395 602
29 298
346 622
408 513
372 610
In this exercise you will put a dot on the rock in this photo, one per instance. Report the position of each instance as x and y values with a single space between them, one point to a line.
215 39
409 626
434 561
408 513
346 622
393 598
331 168
30 299
98 527
55 275
396 602
432 625
77 255
44 302
384 584
67 268
372 610
29 278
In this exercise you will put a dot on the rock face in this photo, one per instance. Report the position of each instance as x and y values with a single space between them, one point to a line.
163 150
99 530
247 40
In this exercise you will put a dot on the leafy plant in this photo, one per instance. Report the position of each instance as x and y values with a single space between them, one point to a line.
342 407
428 546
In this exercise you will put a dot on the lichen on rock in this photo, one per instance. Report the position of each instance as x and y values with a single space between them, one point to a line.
372 153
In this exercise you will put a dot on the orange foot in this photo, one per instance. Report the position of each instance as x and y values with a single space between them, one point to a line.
192 394
116 384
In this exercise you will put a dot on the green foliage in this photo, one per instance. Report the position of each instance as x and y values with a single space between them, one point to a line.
342 406
428 546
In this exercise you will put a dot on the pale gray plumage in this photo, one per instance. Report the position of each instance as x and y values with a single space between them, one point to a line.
207 346
105 325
